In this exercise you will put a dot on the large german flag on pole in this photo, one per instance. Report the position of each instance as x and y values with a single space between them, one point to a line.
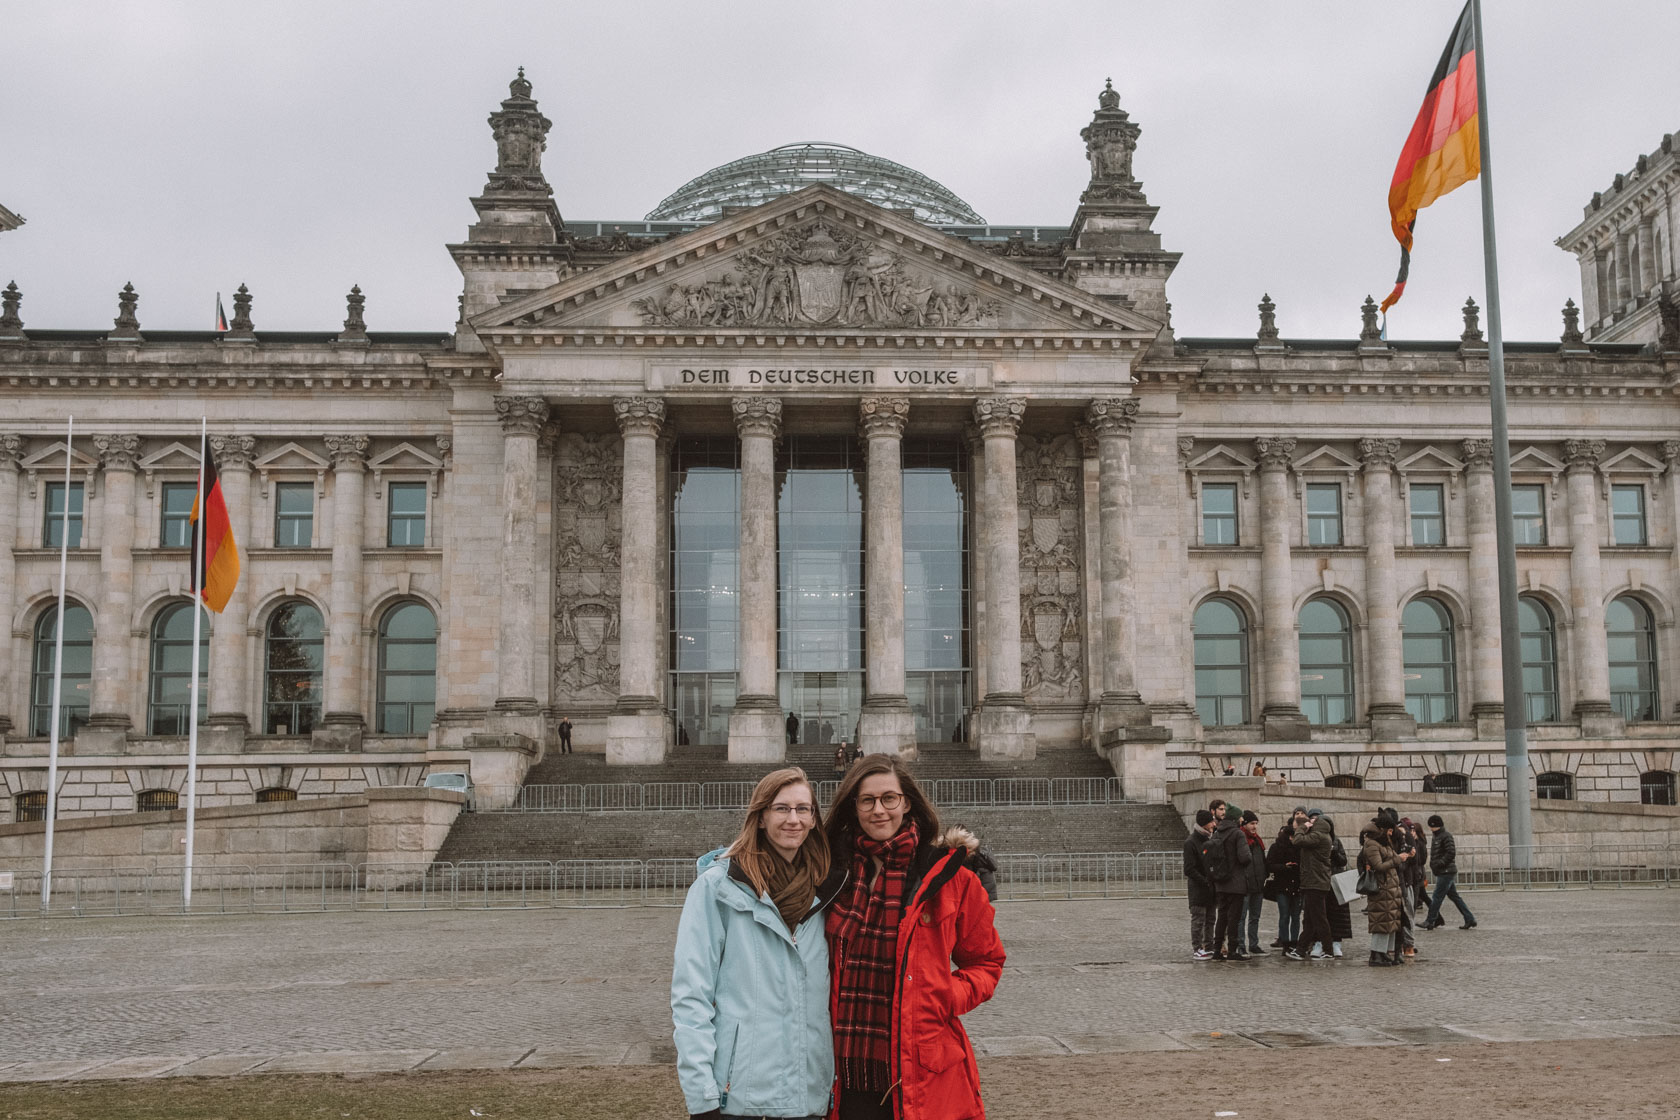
1443 151
215 558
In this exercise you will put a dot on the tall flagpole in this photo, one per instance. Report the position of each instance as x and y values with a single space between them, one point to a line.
58 673
1510 630
200 538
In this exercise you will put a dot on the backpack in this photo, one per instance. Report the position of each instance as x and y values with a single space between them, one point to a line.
1216 859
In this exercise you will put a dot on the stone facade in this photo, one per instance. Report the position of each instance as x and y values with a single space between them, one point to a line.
513 479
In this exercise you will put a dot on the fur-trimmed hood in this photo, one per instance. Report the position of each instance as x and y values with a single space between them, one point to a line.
956 836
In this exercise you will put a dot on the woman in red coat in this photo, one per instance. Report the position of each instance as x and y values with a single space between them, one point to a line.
911 947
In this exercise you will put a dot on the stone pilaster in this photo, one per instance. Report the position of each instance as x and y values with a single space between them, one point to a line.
1002 728
1487 679
11 449
342 722
113 677
639 729
1586 590
977 617
1671 455
522 419
1389 718
756 732
886 725
1281 718
229 720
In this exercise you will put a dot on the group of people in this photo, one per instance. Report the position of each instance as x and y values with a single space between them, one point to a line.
821 966
1230 873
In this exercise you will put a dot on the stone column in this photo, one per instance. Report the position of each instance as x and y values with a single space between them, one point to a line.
341 721
1002 726
1590 301
229 722
1648 268
113 684
1671 455
639 729
1389 718
1281 719
1487 673
886 724
11 449
522 419
756 732
1624 279
1586 590
978 642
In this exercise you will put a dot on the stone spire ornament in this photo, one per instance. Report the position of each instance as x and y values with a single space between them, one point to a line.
241 329
11 324
355 327
1471 341
1371 339
1110 139
1267 338
127 322
1571 341
521 134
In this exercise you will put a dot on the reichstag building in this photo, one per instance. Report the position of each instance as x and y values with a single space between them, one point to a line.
814 453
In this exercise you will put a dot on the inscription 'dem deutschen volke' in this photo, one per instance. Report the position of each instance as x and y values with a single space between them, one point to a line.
819 378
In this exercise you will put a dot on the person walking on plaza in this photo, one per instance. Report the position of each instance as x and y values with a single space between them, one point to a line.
1227 859
792 726
842 759
1283 873
913 947
1315 837
565 735
750 980
1443 864
1203 899
1256 871
1382 909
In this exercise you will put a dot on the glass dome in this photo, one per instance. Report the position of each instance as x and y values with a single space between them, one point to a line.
758 178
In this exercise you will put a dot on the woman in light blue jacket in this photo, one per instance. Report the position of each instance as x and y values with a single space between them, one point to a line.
749 987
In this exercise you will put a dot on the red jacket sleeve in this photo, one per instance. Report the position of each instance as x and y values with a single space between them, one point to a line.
977 952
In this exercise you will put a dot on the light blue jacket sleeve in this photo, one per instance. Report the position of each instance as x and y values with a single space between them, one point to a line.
694 976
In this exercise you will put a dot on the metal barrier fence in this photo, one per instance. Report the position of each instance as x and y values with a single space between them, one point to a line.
155 889
605 797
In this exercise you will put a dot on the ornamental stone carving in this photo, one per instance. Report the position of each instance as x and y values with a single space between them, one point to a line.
118 453
757 416
1583 454
234 451
1087 437
1379 454
1112 415
883 416
818 275
347 452
522 415
999 416
11 450
1478 454
1275 452
521 134
1110 139
639 415
1186 445
1670 450
1050 493
588 490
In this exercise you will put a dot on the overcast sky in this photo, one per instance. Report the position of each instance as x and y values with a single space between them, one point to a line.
302 147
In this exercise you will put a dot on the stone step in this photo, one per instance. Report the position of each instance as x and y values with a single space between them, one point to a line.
689 765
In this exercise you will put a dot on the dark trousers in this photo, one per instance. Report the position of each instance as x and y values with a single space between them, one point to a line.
566 744
1227 928
1446 886
1201 927
859 1105
1315 924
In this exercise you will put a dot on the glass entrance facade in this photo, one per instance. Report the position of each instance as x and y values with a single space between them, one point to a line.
936 588
705 615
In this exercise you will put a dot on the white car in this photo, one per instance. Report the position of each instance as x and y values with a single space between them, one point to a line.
454 780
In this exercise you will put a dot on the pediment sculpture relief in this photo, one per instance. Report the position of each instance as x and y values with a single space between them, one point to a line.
819 275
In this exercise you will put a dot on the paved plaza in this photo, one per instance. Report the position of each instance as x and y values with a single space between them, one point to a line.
554 988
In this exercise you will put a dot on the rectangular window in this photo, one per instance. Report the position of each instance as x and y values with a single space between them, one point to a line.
1429 522
406 520
1528 514
1627 514
294 515
1324 515
52 533
177 514
1219 513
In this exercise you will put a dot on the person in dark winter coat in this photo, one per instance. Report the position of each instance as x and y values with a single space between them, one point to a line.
1400 840
1383 910
1283 871
1232 889
1443 863
1199 887
1315 837
1256 896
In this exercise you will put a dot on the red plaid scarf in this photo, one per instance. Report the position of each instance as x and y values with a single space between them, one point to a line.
866 944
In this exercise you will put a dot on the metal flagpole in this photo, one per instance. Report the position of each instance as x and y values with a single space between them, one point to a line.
199 540
58 673
1510 631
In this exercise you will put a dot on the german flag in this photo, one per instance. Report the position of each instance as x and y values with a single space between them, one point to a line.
1443 151
213 550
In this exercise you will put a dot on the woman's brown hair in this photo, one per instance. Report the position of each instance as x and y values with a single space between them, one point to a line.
843 825
753 855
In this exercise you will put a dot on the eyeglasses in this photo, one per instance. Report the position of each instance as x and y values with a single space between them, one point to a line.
803 812
887 801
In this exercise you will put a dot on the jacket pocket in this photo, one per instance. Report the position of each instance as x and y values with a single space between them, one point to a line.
723 1068
939 1051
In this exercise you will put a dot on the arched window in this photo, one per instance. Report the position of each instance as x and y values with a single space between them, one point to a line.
1221 632
31 805
407 670
275 793
1539 658
1633 659
1326 663
166 710
1431 662
292 675
1554 785
1452 783
156 800
1656 787
76 692
1344 781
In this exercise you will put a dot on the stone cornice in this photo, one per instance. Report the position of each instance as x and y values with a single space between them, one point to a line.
883 416
757 416
977 340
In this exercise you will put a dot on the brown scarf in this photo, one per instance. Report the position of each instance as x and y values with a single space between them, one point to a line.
790 888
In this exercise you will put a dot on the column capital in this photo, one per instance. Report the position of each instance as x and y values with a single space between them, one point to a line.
1583 454
1478 454
1670 450
521 415
235 452
11 450
1186 446
1275 452
639 415
1378 455
348 452
883 416
1087 437
999 416
757 416
118 453
1112 416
